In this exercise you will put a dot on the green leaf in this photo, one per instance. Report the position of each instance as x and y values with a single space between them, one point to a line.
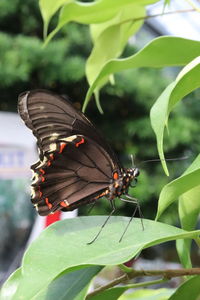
189 208
110 294
63 245
148 294
69 284
48 8
159 119
188 290
161 52
143 294
10 287
179 186
186 81
92 12
111 37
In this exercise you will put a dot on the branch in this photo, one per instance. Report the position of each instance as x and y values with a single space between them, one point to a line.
166 275
159 15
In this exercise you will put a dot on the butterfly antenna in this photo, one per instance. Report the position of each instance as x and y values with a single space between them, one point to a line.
164 159
132 160
105 222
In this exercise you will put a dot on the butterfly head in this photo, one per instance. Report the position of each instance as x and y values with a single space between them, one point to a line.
132 173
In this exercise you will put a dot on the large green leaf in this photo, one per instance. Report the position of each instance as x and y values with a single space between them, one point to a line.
161 52
186 81
10 287
188 290
63 245
179 186
69 284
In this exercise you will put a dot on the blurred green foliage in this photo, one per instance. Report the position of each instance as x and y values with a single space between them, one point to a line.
60 67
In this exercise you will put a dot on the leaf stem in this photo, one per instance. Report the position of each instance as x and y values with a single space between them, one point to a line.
125 268
158 15
166 275
146 283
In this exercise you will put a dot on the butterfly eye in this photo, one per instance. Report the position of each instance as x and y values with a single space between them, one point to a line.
136 172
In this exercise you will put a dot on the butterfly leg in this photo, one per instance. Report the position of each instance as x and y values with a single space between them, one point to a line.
91 207
105 222
135 201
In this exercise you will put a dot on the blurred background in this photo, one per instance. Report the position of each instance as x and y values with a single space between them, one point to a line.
25 65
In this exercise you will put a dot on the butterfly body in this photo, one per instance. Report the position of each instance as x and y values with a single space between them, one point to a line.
76 166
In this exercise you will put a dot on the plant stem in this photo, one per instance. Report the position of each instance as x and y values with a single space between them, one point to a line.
158 15
146 283
125 268
166 275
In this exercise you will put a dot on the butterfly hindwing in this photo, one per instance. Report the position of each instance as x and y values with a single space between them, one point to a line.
71 174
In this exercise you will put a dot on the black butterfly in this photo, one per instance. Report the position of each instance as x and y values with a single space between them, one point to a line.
76 166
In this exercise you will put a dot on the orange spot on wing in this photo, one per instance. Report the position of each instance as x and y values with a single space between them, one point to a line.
81 142
42 171
64 203
51 156
62 146
42 178
115 176
48 163
40 193
48 203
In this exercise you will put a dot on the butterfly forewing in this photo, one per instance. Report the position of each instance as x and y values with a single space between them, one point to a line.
76 165
52 118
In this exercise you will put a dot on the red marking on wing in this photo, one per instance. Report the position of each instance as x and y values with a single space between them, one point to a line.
42 171
48 203
51 156
42 178
40 193
81 142
62 146
48 163
64 204
115 176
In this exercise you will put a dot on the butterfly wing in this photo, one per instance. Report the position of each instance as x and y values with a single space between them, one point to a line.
76 165
52 117
71 175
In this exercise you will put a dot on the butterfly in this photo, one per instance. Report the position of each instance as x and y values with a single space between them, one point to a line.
76 166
